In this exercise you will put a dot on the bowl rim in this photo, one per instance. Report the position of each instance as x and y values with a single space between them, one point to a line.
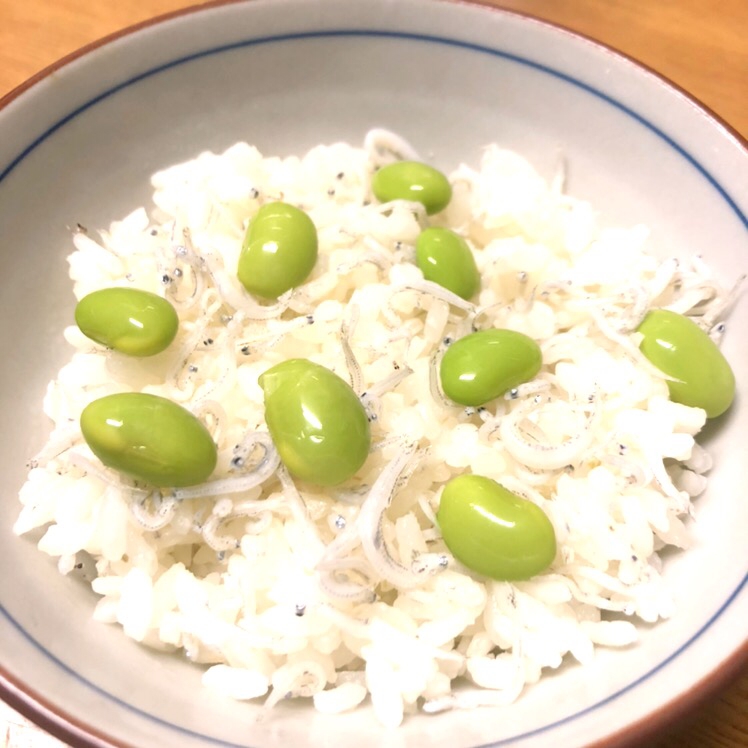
486 5
26 700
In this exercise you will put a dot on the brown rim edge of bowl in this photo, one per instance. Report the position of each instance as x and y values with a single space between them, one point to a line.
18 695
51 718
65 60
496 5
68 728
667 718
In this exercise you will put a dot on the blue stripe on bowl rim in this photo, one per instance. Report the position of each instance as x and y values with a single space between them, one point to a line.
420 38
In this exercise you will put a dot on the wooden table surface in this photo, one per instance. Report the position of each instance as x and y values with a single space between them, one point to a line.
701 46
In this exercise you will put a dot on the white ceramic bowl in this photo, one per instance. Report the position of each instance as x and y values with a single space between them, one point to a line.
79 146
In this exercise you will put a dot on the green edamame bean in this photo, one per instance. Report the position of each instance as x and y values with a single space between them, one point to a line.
483 365
317 422
129 320
682 350
445 258
279 250
494 532
149 438
412 180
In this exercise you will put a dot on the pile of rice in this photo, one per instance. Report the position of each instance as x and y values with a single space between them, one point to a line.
273 587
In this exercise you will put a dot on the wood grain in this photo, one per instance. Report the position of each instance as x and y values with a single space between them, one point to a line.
700 46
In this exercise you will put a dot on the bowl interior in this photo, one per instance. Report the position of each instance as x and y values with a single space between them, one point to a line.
79 147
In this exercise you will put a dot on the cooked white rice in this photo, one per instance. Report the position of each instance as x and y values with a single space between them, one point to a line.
247 583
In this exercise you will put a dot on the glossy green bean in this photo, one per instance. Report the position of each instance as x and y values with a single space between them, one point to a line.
318 424
279 250
149 438
128 320
701 375
493 531
412 180
485 364
445 258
